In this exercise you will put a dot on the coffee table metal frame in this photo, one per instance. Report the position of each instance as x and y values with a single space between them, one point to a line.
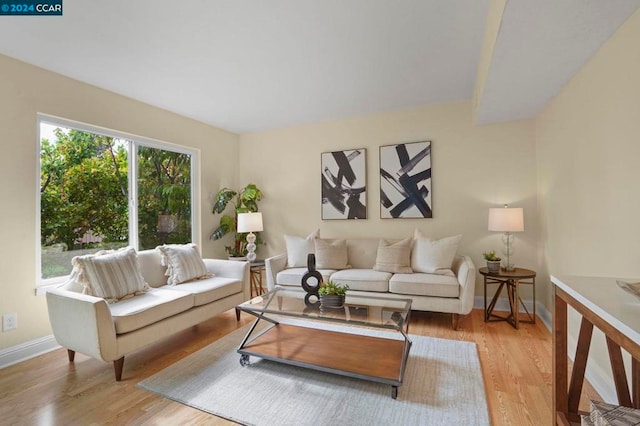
265 307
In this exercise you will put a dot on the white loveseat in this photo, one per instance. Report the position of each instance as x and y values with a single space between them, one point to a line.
109 331
449 293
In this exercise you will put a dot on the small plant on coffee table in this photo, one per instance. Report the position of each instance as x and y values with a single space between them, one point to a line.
332 295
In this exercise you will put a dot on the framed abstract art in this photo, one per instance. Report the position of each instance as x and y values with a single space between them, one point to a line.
344 184
405 180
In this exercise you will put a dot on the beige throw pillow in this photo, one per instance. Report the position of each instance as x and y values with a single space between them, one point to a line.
433 256
110 274
331 254
184 263
394 258
298 248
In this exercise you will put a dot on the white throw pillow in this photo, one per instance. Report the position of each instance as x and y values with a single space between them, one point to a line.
298 248
433 256
394 258
184 263
110 274
331 254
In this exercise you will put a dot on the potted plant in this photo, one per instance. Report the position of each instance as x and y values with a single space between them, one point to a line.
493 261
244 201
332 295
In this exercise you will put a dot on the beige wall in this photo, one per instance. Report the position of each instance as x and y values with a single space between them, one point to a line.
473 168
588 148
26 90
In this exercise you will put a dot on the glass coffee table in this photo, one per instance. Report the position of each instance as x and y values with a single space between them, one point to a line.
355 349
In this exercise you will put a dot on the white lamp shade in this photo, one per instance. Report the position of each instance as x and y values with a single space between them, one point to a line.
505 219
249 222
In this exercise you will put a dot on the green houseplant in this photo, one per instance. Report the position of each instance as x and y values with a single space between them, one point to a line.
244 201
493 261
332 294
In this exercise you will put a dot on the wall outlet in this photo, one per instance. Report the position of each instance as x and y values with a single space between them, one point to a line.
9 321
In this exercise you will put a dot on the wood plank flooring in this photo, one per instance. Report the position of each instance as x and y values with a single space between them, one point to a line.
49 390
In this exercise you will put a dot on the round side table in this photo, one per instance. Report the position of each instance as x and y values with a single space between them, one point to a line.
511 280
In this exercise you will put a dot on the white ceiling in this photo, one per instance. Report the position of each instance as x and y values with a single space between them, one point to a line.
252 65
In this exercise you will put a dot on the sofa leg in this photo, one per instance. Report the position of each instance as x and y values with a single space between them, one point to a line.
71 354
237 314
118 365
455 318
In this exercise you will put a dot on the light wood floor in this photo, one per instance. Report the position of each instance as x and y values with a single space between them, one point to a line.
516 366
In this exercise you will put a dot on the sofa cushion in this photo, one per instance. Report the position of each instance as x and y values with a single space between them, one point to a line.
148 308
419 284
298 249
293 276
363 279
152 268
183 262
331 254
209 289
110 274
433 256
394 257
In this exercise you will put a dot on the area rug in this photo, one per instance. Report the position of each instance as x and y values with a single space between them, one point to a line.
442 385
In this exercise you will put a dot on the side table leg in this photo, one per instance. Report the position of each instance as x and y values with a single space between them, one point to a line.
516 303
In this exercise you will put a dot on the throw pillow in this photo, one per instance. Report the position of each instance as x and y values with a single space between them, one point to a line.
298 248
111 275
433 256
183 262
394 258
331 254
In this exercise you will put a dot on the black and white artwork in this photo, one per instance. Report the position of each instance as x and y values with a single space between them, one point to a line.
405 180
344 184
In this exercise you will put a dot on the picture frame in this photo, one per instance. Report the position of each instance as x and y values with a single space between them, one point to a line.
405 181
344 184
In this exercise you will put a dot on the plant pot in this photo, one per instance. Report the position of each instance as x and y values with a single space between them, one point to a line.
241 259
331 301
493 266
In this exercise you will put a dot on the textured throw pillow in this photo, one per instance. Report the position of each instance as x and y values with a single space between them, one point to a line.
433 256
112 274
298 248
331 254
183 262
394 258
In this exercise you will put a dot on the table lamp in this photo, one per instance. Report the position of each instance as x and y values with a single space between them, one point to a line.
250 222
507 220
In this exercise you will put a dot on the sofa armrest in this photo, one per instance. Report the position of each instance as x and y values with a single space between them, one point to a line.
273 265
82 323
231 269
465 271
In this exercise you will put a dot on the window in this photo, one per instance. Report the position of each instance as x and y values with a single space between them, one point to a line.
101 189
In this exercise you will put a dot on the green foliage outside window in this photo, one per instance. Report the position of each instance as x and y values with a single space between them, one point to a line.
84 190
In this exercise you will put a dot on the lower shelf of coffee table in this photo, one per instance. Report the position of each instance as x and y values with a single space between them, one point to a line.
372 358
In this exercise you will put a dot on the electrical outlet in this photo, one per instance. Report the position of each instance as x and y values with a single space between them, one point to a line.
9 321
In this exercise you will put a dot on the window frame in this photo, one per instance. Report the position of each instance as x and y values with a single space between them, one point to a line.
134 141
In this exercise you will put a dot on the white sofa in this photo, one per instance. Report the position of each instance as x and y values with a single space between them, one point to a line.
453 293
90 325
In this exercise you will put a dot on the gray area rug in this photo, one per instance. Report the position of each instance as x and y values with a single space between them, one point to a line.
442 385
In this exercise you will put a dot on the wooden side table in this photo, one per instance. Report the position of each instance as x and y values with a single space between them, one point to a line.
255 277
511 280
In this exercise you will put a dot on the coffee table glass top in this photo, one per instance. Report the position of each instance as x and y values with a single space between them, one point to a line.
369 311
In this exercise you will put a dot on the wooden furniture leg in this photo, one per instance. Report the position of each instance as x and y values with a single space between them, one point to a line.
579 365
619 376
237 314
635 382
118 366
455 318
560 363
71 354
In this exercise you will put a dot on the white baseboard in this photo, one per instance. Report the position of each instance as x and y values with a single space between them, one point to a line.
503 305
27 350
